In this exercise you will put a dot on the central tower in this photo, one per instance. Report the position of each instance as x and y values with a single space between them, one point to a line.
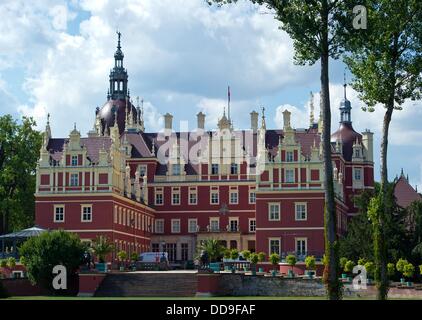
118 75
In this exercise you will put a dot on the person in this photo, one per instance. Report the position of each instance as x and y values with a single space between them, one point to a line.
204 259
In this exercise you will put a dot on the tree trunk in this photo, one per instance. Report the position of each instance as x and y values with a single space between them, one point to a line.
331 251
381 252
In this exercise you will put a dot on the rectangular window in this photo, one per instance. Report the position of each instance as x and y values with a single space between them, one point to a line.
184 251
214 168
289 156
301 211
234 197
176 169
74 179
233 168
301 244
142 170
252 197
175 225
214 224
74 161
193 225
358 174
273 211
155 247
193 199
159 198
252 225
290 176
58 213
175 197
170 248
274 245
214 197
159 226
86 213
234 225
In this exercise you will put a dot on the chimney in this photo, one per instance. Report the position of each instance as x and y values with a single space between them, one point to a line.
368 144
168 119
286 119
200 120
254 120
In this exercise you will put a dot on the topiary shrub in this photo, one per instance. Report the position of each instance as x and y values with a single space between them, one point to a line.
408 270
254 258
234 254
227 254
3 263
274 258
246 254
261 256
362 261
348 267
310 262
400 265
291 260
370 269
343 262
11 262
391 269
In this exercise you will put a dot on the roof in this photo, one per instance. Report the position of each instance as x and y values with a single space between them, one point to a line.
26 233
347 136
404 192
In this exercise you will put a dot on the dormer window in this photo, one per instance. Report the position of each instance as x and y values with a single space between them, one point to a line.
357 153
233 168
74 161
289 156
214 168
176 169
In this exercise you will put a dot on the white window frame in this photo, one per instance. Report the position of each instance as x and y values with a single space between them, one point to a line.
277 204
250 220
234 219
71 181
189 225
193 192
56 206
72 163
306 244
83 206
237 197
355 170
161 223
297 204
217 219
217 192
249 196
293 175
288 158
279 245
175 192
173 224
144 168
161 192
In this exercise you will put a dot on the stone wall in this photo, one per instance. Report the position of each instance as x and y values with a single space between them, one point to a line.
241 285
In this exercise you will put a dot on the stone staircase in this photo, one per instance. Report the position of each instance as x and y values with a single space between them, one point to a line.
148 284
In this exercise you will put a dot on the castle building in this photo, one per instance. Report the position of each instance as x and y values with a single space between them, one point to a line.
258 189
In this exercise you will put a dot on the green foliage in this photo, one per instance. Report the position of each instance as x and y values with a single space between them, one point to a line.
234 254
122 255
213 248
3 263
343 262
362 261
227 253
254 258
20 144
420 269
408 270
11 262
391 269
348 267
246 254
49 249
274 258
102 247
291 260
261 256
310 262
401 264
134 256
370 268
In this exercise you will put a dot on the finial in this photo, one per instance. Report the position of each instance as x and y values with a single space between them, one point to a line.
345 85
48 118
74 126
118 39
402 173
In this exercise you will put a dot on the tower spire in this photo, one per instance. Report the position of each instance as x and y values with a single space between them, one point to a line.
118 75
312 116
345 106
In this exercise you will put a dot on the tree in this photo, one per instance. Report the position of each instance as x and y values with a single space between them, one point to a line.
102 248
214 249
316 27
19 151
49 249
386 62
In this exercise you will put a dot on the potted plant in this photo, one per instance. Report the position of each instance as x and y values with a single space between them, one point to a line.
408 271
102 247
134 258
254 258
400 268
246 254
274 259
121 256
370 270
291 261
11 263
261 259
348 268
391 269
234 255
310 265
362 261
3 263
343 262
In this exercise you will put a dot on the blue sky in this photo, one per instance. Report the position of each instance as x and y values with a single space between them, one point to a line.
181 55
